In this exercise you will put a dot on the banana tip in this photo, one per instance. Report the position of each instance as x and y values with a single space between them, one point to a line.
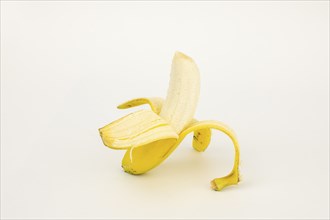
181 55
100 132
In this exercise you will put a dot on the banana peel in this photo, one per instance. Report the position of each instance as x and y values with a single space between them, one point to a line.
150 136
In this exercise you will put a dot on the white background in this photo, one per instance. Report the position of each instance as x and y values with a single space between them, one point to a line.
264 71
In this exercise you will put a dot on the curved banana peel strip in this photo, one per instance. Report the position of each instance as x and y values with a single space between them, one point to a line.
149 137
233 177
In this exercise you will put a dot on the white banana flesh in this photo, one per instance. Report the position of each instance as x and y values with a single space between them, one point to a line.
183 92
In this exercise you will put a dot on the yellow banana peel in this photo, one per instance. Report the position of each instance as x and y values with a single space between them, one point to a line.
150 136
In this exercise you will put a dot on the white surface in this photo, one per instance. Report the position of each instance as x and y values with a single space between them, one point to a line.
66 65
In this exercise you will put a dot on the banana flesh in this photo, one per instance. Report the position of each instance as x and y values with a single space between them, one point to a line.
182 96
149 137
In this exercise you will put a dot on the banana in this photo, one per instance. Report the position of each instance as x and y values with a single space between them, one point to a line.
150 136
